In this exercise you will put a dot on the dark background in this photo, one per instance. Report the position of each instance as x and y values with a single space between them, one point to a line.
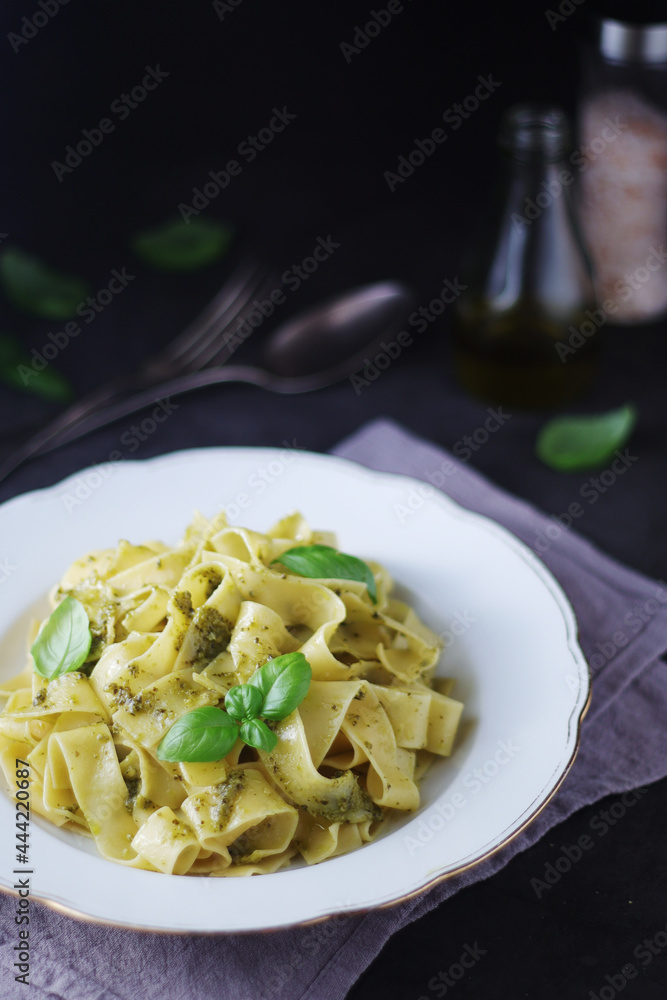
324 176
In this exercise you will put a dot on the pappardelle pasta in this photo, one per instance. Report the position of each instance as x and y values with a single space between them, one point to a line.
172 631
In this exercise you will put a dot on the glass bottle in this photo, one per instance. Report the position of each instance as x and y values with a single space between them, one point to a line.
526 328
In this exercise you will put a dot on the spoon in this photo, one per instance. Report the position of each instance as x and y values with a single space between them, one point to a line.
310 351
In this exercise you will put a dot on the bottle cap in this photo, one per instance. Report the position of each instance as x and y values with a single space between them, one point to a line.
528 131
619 41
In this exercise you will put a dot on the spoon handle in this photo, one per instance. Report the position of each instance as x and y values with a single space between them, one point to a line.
58 432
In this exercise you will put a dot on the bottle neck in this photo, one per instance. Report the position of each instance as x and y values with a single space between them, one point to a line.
538 253
535 142
535 187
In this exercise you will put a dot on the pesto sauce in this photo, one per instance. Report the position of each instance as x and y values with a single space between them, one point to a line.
123 697
213 581
211 634
133 785
183 601
226 794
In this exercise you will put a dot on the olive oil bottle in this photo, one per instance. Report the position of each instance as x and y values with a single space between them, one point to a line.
525 333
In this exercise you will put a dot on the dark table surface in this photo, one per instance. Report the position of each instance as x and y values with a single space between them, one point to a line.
323 177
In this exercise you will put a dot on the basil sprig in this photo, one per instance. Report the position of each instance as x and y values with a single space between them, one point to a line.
244 702
257 734
571 443
323 561
63 642
208 734
282 683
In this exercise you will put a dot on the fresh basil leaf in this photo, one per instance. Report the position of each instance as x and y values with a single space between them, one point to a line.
324 561
203 735
37 288
16 370
63 642
284 683
257 734
181 246
243 702
571 443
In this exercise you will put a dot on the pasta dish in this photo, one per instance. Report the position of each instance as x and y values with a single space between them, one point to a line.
230 703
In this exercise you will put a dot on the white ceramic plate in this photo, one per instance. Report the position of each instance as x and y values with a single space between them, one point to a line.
511 645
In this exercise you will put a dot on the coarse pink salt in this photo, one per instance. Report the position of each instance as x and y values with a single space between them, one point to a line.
624 202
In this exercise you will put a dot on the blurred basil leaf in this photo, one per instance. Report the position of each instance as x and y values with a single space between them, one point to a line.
37 288
568 444
180 246
16 370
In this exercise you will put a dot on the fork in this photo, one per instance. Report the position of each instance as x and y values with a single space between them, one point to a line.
201 345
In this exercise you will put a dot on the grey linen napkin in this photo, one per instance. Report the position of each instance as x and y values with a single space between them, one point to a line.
623 746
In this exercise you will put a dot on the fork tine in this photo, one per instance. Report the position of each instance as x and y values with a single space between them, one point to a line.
223 341
227 304
215 337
